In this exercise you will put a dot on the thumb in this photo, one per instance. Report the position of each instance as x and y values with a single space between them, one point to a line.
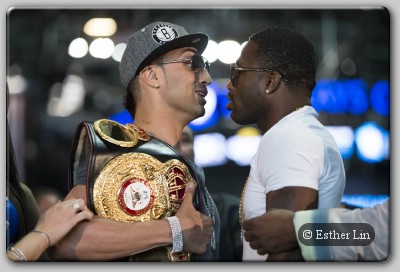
189 192
246 224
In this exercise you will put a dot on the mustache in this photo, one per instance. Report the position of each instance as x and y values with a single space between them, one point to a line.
200 87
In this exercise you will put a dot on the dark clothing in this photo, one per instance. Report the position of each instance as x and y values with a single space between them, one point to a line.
231 247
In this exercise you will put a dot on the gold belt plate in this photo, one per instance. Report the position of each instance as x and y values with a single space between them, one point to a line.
138 187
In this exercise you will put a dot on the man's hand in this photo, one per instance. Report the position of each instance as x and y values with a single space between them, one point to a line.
197 228
272 232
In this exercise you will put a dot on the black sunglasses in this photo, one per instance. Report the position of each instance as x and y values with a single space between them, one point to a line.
236 70
196 62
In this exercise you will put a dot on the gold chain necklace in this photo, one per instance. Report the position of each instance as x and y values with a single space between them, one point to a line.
241 213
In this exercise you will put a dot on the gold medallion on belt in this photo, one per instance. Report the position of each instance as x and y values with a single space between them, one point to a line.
138 187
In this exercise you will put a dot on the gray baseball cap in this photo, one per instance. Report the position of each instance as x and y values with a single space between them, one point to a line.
153 41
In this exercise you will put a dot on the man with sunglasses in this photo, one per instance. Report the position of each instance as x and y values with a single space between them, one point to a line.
297 165
151 202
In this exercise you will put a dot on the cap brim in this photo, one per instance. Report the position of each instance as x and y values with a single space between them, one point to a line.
197 40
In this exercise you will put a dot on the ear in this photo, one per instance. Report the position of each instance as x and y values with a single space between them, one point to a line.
272 82
149 77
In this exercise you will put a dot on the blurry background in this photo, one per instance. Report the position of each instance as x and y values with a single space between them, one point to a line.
62 68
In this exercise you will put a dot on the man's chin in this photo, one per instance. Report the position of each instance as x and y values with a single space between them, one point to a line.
199 114
239 120
202 113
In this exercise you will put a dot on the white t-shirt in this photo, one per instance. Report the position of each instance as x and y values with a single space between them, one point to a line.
296 151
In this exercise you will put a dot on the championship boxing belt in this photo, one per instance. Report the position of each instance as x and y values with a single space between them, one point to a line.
130 177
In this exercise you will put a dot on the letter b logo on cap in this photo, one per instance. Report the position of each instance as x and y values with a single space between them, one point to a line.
164 33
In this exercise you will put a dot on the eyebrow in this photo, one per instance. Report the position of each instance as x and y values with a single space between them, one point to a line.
190 50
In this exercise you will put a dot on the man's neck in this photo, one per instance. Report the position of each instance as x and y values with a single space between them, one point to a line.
168 132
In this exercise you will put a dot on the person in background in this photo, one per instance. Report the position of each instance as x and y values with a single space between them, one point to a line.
279 231
297 165
186 144
28 233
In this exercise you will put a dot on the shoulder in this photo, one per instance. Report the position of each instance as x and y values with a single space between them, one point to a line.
27 191
292 135
32 214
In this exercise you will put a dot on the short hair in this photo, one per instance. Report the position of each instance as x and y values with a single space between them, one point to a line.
132 95
288 52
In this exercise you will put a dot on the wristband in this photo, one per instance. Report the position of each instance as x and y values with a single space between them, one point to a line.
177 238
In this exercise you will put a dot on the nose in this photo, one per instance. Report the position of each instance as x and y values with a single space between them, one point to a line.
229 85
206 77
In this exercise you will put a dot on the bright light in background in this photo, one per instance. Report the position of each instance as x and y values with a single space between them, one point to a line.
386 147
340 96
357 90
209 149
363 201
370 140
228 51
16 84
122 117
211 115
380 97
67 98
344 137
119 51
242 146
78 48
330 96
248 131
100 27
102 48
211 52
